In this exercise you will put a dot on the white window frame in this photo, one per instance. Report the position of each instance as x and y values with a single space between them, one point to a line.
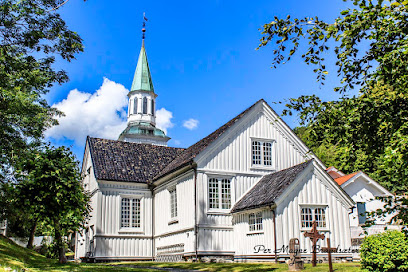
173 203
321 225
130 228
255 222
219 200
262 150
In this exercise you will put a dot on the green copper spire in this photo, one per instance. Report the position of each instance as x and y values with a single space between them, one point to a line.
142 79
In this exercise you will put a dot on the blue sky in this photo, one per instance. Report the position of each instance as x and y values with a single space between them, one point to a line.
202 58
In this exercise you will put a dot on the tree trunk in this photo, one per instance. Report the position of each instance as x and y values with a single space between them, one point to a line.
60 243
32 235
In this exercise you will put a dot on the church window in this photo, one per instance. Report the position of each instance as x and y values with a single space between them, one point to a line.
173 202
135 106
130 213
219 193
129 107
262 153
152 101
308 215
144 105
255 221
361 210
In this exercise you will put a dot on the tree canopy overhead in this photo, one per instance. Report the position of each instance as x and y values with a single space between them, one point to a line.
367 132
382 25
32 36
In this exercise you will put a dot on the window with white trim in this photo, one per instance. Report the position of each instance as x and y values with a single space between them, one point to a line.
262 153
130 213
173 202
219 193
310 214
255 221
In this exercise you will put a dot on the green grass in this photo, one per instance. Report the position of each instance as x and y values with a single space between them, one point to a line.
19 258
247 267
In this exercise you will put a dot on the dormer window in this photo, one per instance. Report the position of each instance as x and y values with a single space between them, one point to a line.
262 153
144 105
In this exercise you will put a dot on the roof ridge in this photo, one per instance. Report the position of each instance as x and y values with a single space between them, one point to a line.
132 143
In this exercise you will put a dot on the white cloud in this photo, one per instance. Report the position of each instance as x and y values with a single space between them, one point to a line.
190 124
163 119
101 114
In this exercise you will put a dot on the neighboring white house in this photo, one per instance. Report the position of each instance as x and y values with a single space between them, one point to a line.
240 193
363 190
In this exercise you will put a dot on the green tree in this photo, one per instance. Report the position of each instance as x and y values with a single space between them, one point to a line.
53 192
385 252
367 132
32 36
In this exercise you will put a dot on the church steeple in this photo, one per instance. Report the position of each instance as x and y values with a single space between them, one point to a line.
141 123
142 79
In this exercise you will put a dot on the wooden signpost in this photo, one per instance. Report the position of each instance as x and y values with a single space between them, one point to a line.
314 235
329 251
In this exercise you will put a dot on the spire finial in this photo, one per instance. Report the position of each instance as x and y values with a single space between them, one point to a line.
144 28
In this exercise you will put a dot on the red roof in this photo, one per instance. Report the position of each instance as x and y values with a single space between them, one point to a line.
345 178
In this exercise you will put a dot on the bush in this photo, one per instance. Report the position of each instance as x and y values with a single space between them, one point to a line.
387 251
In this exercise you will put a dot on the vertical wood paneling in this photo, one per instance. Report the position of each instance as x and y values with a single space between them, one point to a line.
235 153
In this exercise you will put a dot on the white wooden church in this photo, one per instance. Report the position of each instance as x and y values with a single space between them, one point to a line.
241 193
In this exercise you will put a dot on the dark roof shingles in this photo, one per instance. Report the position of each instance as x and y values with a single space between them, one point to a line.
130 162
190 153
269 188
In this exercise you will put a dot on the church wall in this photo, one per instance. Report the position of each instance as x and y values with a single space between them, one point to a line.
90 185
309 191
255 244
312 192
231 157
111 241
233 153
170 232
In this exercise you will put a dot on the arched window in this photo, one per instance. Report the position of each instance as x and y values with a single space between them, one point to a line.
152 106
135 106
144 105
129 107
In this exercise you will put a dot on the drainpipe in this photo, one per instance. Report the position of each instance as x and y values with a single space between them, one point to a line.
195 213
274 234
152 197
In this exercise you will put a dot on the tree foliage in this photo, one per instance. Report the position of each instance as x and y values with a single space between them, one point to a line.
53 193
386 251
367 132
380 25
32 36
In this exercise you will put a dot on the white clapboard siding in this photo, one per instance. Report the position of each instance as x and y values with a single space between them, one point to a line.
312 191
185 205
232 157
246 242
180 230
234 153
186 238
122 247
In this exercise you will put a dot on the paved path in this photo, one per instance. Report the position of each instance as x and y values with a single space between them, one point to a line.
170 269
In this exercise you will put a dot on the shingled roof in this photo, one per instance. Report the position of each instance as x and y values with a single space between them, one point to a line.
269 188
131 162
190 153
